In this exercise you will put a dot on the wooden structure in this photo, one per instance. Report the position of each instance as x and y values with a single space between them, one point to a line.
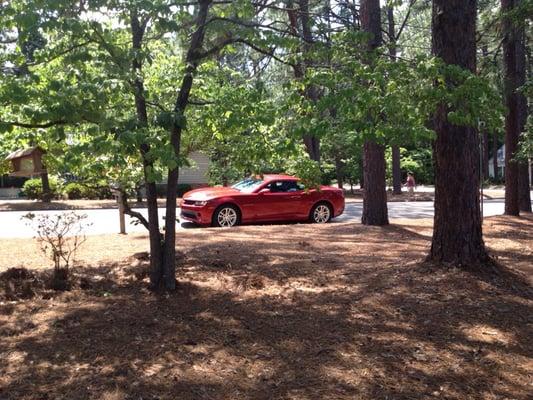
27 162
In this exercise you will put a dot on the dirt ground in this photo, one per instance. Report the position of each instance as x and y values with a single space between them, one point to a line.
337 311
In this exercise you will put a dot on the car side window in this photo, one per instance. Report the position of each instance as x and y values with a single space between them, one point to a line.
285 186
293 186
275 187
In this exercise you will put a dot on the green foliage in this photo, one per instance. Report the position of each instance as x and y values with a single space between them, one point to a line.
33 188
249 114
307 169
76 190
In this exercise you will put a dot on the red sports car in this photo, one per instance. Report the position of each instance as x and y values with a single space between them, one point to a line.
262 199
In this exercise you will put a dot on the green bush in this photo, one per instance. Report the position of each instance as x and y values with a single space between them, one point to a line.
76 190
33 188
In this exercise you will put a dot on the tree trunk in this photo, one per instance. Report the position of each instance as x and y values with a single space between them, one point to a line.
524 189
46 196
339 170
457 234
361 170
396 171
156 238
375 193
485 134
495 147
524 195
396 166
514 67
191 61
485 159
300 25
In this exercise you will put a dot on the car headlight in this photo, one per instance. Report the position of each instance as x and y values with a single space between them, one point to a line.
200 203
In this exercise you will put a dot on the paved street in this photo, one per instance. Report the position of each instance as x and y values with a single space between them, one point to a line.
106 221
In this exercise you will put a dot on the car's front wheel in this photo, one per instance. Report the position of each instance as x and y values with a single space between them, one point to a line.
321 213
226 216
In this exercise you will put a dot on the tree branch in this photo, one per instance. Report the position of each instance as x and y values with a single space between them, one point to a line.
35 125
130 212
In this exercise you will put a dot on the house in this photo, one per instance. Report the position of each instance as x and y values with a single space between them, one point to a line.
197 174
25 163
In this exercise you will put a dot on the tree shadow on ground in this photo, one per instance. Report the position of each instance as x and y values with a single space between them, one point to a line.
296 317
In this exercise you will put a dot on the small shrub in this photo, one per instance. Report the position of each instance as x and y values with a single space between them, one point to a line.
33 188
74 191
59 237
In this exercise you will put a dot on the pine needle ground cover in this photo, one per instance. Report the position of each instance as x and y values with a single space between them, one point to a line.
339 311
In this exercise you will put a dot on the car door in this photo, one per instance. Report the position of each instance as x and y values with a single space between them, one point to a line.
280 201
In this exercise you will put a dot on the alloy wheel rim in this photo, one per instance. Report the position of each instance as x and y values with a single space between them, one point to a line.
321 214
227 217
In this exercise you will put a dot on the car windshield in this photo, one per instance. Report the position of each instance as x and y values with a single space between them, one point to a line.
248 185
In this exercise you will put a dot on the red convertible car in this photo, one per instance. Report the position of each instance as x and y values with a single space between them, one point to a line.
262 199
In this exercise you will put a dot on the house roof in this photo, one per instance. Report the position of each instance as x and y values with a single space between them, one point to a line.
24 152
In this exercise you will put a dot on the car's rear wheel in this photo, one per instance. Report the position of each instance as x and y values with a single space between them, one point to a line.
321 213
226 216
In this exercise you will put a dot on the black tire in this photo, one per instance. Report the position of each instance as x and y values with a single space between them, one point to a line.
226 216
321 213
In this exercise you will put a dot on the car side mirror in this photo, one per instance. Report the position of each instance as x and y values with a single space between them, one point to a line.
264 190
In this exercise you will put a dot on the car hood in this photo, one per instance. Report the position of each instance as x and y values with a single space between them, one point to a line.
209 193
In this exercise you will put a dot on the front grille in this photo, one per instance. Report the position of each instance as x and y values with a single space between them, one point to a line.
189 202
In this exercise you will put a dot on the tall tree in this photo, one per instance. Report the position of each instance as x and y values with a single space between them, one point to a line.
514 69
393 35
495 148
396 170
457 235
374 170
300 26
192 60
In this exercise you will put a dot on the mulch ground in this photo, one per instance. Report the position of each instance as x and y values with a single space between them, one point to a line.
337 311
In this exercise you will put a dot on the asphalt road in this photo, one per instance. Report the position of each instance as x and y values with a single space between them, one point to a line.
106 221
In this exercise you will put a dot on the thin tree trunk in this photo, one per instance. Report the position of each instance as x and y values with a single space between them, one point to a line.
485 163
156 257
361 170
375 193
396 166
524 189
339 170
457 234
300 24
46 196
485 134
495 148
524 196
396 170
514 78
169 257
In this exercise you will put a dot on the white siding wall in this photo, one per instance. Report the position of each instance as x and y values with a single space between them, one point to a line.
197 173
